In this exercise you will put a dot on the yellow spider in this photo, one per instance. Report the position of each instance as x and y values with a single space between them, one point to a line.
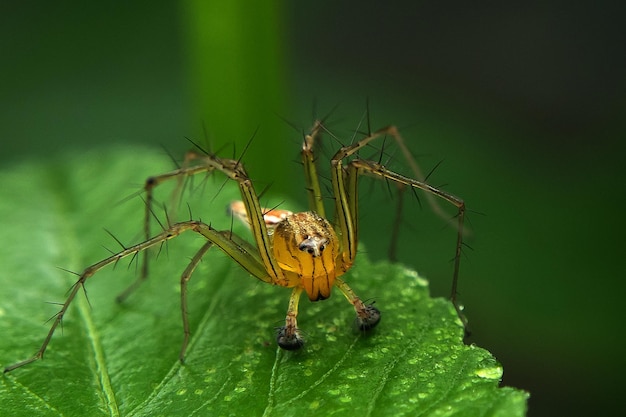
303 251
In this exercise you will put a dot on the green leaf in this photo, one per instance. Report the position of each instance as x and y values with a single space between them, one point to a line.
122 359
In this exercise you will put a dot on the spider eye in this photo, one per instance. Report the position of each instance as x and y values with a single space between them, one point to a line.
306 246
313 245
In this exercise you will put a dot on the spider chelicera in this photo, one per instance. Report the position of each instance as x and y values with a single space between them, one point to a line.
303 251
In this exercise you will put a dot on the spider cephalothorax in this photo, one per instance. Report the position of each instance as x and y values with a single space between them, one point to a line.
306 248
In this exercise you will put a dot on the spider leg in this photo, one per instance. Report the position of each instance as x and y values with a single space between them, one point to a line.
417 172
194 163
235 171
259 261
379 170
187 170
367 316
289 337
311 178
184 280
235 247
345 188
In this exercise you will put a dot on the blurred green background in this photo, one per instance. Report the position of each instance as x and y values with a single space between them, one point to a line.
525 105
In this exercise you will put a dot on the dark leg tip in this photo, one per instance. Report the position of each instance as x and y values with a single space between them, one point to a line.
289 339
368 318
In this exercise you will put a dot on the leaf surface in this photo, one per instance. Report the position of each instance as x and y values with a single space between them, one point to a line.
122 359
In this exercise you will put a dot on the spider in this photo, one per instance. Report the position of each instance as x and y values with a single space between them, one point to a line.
302 251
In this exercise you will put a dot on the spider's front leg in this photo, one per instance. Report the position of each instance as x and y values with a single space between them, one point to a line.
345 189
292 251
379 170
259 261
288 336
346 219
